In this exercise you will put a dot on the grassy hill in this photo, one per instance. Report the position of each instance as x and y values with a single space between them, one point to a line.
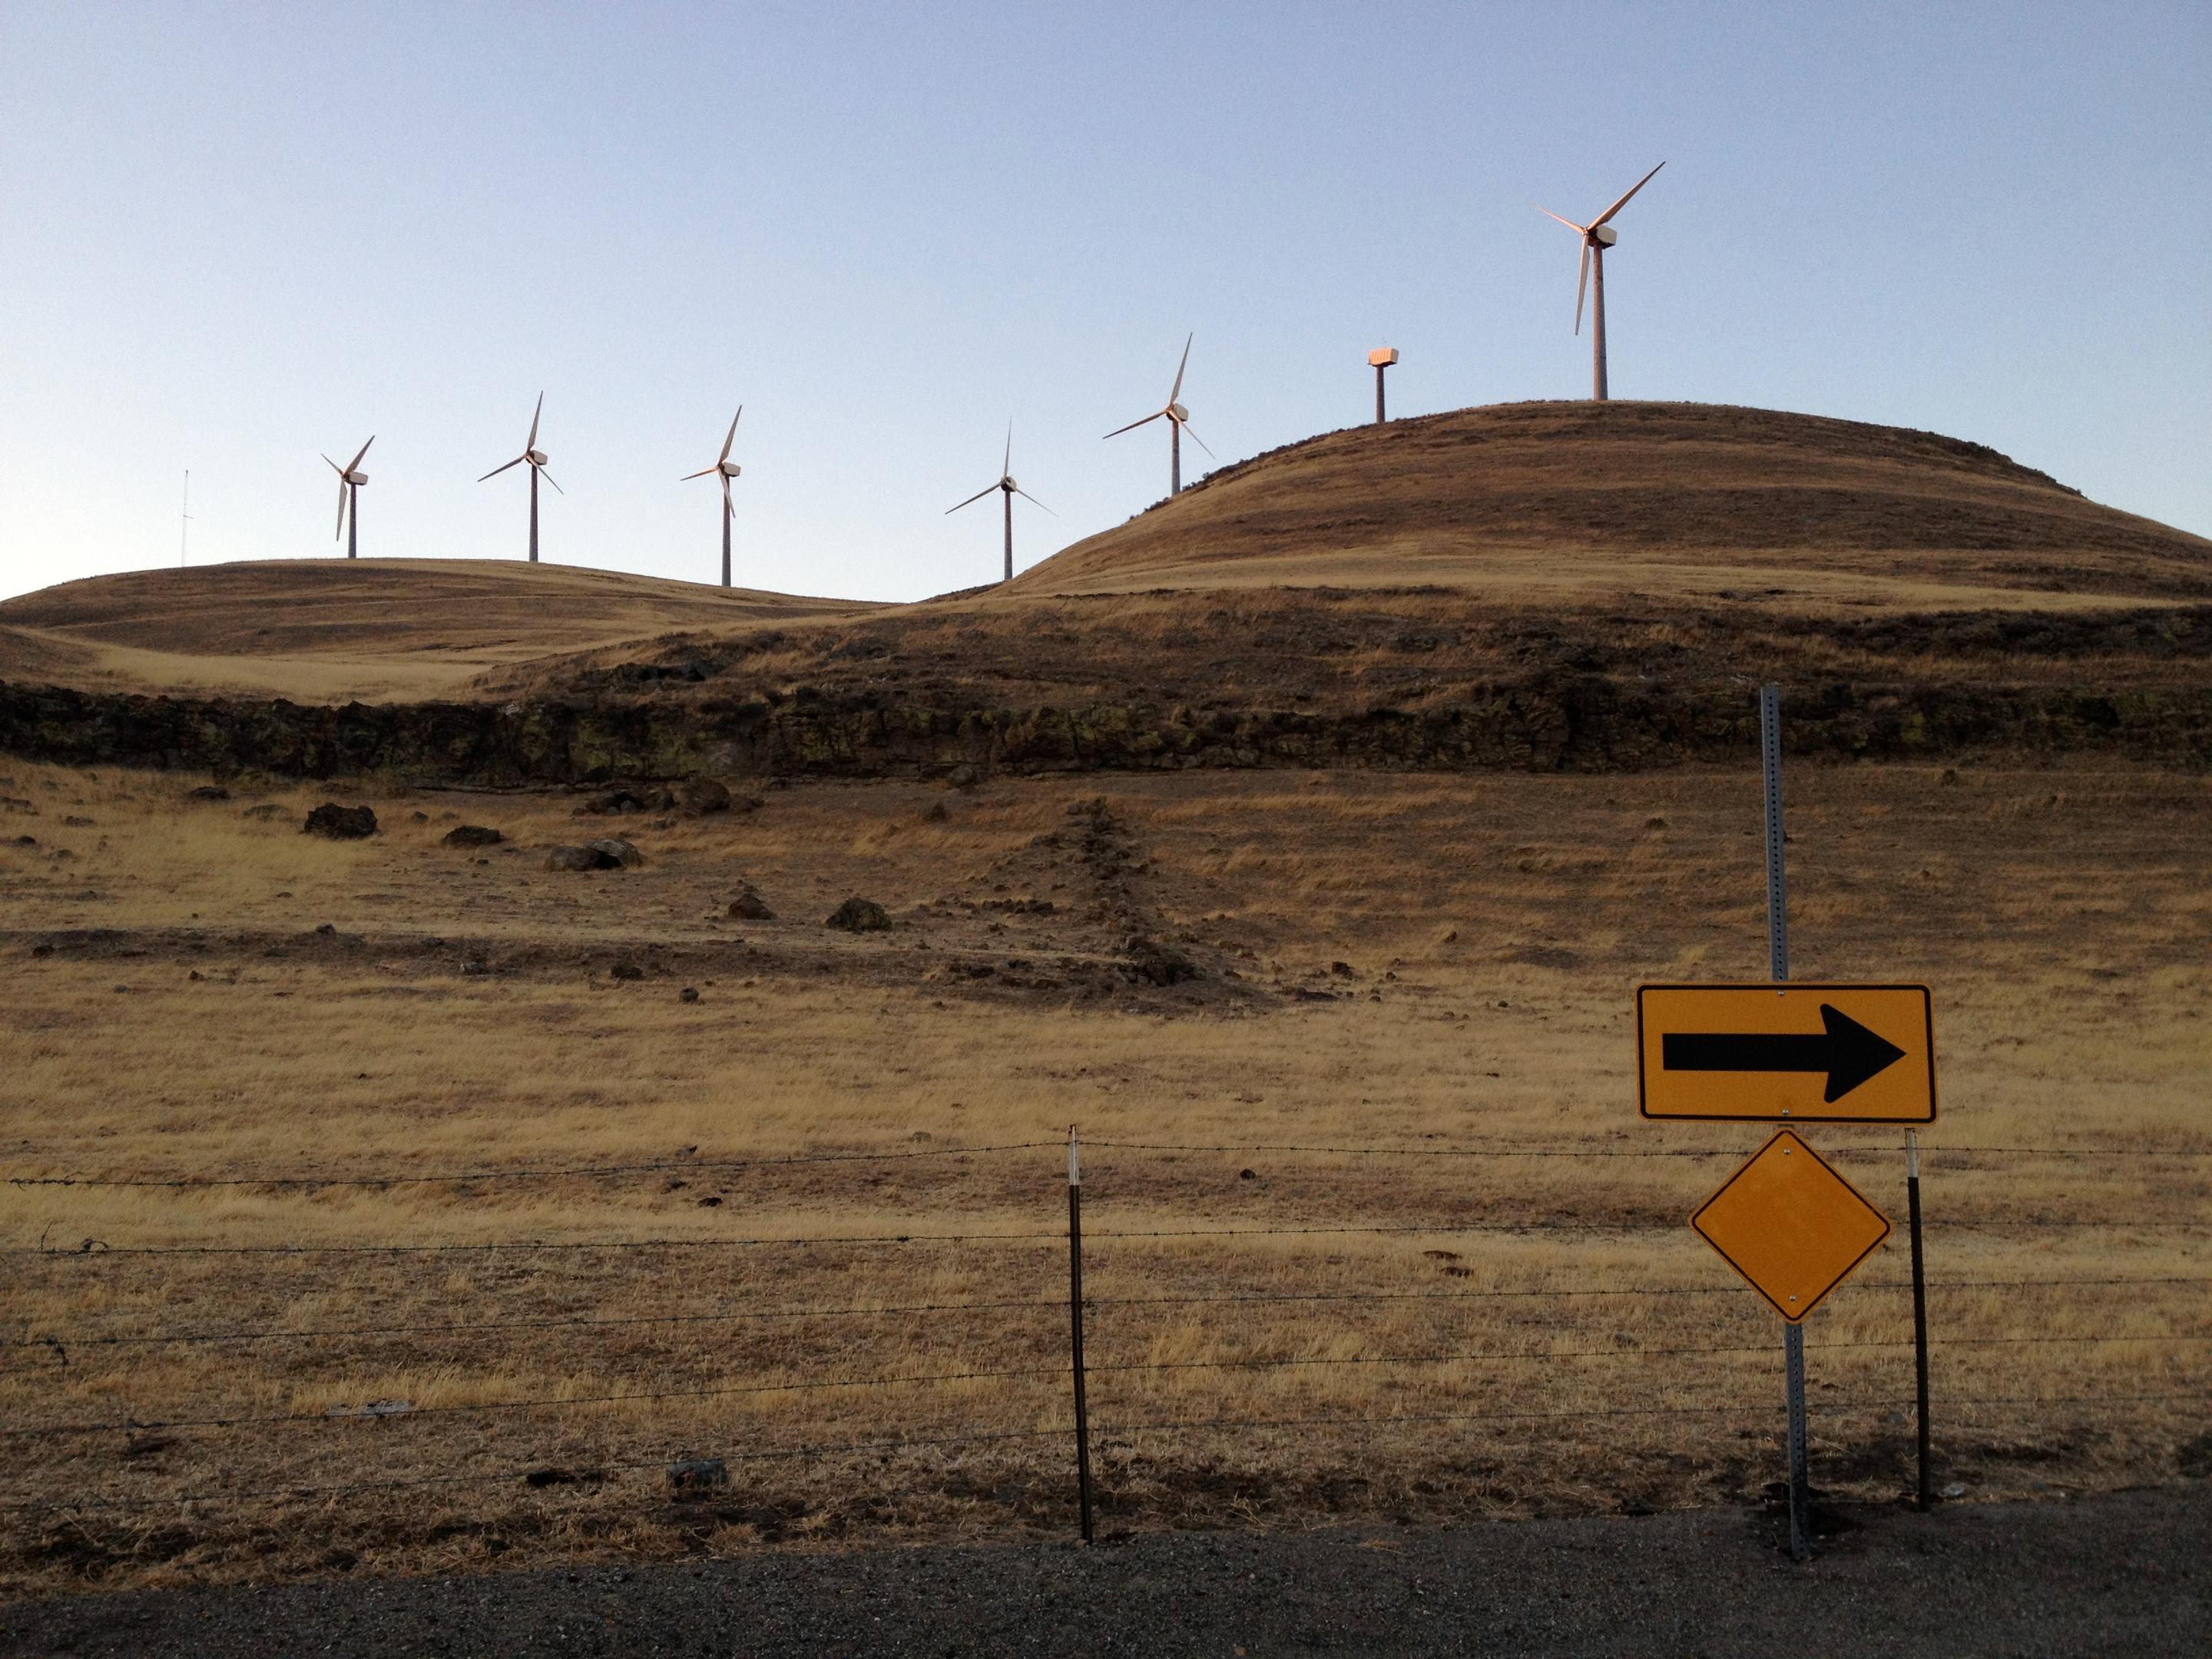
1565 501
336 630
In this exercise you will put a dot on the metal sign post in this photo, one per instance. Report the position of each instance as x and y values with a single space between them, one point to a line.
1777 952
1075 1319
1919 1313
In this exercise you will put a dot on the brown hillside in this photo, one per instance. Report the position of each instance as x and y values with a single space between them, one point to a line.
1605 500
372 629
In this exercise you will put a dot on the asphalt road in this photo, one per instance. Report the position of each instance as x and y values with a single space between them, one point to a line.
2119 1574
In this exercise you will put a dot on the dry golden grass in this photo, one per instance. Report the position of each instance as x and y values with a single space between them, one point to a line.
185 1020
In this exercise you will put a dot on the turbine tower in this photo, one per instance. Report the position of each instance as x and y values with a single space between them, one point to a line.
1009 489
1597 236
536 456
1178 420
726 470
351 479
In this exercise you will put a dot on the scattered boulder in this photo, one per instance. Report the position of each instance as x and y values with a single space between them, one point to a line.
963 777
688 994
1158 963
208 792
1342 970
337 822
859 915
750 906
473 835
616 854
571 858
704 795
630 800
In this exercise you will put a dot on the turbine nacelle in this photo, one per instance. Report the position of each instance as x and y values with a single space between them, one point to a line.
1602 235
1177 412
535 457
1008 484
728 469
355 478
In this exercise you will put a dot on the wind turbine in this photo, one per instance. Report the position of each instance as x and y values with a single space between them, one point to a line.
1178 420
351 479
536 456
1010 489
1597 236
728 469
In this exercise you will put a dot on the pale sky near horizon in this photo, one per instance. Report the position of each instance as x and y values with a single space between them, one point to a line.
232 236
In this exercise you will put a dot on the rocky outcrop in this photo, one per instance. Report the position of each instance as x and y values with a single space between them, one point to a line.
1582 723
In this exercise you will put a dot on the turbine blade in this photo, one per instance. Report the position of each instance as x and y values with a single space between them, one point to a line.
1581 281
547 476
702 472
534 414
496 471
1133 425
1032 500
334 466
1196 439
1568 223
1181 366
729 508
728 441
1623 202
972 499
356 461
340 531
1007 466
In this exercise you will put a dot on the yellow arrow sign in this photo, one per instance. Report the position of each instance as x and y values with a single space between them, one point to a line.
1792 1226
1802 1052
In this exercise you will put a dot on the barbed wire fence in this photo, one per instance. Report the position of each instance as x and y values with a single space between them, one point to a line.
1289 1348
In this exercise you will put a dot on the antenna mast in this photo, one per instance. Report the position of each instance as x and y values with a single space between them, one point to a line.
185 521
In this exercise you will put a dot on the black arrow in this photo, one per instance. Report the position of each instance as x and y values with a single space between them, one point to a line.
1846 1051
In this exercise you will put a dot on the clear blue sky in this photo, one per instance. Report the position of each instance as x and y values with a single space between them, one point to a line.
232 236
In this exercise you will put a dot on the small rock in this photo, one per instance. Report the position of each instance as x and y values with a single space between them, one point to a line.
208 792
937 814
27 840
750 906
421 817
630 800
1342 970
626 970
571 858
77 824
42 949
1248 1175
961 777
1161 964
328 930
1956 1489
616 854
688 994
473 835
698 1474
859 915
337 822
195 974
475 965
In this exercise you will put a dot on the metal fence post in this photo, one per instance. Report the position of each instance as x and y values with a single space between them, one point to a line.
1919 1312
1075 1321
1777 954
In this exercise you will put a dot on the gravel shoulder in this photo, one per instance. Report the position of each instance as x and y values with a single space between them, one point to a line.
2121 1573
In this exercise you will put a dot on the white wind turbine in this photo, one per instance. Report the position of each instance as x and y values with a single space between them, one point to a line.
1178 420
1597 236
351 479
1009 489
536 456
726 470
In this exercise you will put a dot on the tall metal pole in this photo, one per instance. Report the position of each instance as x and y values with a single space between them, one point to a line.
353 521
1777 957
725 534
184 522
1075 1315
533 512
1379 417
1919 1313
1008 497
1175 456
1597 330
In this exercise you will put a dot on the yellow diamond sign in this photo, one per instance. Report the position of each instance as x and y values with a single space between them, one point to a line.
1792 1226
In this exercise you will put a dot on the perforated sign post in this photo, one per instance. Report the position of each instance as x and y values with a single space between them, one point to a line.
1785 1053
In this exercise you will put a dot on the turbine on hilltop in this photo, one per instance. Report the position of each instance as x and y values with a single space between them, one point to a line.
1597 236
536 456
351 479
1009 489
1178 420
725 469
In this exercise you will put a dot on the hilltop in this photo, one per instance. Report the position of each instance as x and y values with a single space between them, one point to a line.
1560 501
336 630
